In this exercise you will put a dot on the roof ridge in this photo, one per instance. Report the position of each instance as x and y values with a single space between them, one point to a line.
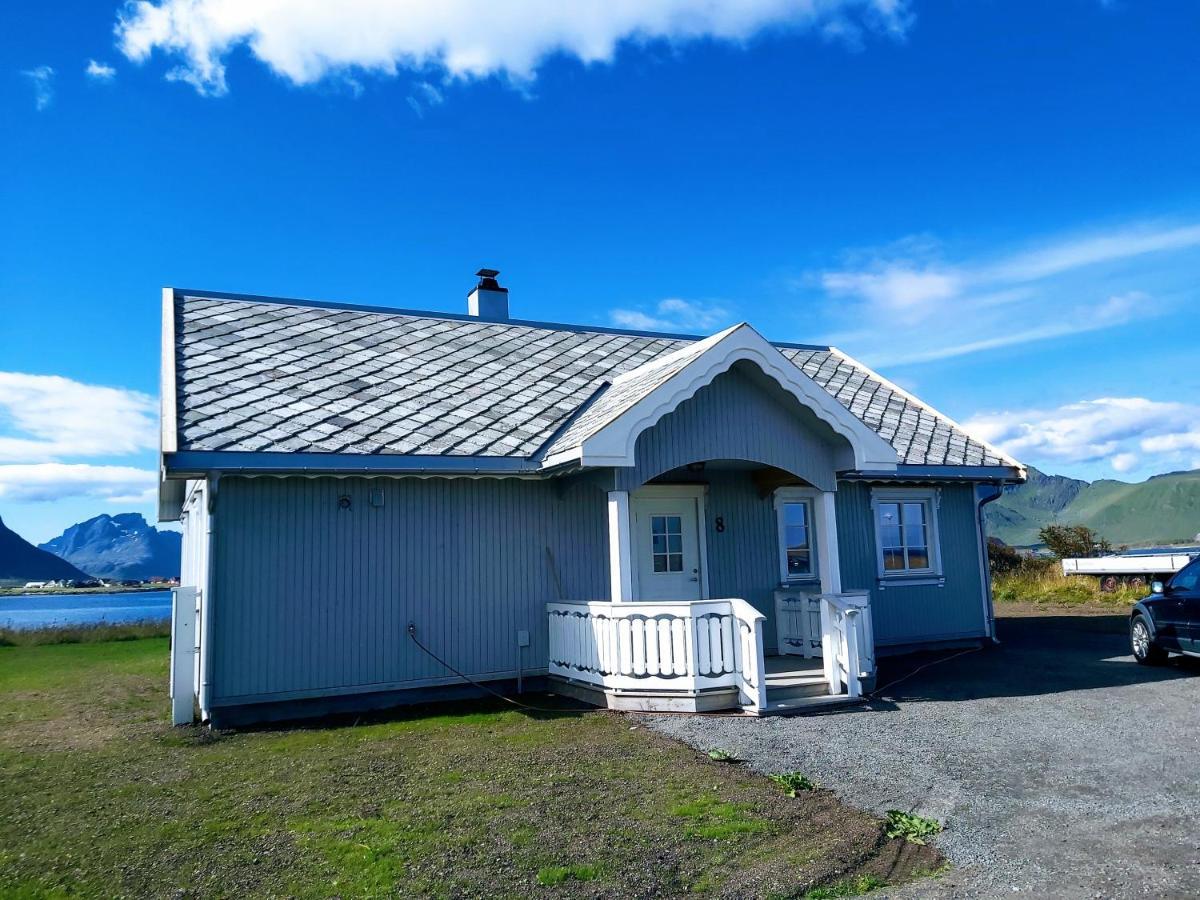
181 293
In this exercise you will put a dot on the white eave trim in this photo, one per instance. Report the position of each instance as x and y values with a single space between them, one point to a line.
613 444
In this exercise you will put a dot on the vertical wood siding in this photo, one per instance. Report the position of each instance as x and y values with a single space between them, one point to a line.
915 613
313 600
743 560
735 417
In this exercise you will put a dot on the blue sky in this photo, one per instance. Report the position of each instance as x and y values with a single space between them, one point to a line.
996 204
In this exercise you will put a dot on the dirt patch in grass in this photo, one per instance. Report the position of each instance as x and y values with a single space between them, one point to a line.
469 800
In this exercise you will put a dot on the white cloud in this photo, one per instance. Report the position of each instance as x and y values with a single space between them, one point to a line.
47 417
1125 462
906 304
42 80
1126 432
44 482
306 41
674 315
1124 244
99 71
424 96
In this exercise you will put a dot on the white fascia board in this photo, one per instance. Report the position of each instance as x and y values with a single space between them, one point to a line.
170 493
167 426
891 385
613 445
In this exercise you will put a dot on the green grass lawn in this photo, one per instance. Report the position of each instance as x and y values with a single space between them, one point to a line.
99 797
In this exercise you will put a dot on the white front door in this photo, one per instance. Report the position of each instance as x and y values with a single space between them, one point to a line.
666 546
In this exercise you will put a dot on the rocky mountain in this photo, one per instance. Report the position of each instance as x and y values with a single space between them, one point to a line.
121 546
20 561
1163 509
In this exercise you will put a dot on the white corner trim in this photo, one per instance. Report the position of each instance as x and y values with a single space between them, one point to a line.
829 564
168 434
613 445
891 385
620 548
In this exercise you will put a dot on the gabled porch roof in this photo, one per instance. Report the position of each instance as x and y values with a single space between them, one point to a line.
606 429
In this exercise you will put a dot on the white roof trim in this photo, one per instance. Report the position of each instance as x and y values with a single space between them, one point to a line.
613 444
170 494
169 436
929 409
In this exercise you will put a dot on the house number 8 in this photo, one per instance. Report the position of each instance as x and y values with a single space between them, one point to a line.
720 524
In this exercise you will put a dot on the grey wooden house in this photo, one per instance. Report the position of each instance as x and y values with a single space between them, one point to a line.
377 502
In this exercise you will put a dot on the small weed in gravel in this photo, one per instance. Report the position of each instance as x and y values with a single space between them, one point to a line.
793 782
719 755
911 827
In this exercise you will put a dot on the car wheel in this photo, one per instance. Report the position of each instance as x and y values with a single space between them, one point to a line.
1145 651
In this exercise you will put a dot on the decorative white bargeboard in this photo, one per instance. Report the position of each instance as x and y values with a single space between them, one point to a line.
670 648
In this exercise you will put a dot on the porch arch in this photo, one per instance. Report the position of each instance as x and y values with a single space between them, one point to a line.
742 415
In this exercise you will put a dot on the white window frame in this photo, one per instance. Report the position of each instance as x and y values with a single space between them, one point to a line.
931 498
809 497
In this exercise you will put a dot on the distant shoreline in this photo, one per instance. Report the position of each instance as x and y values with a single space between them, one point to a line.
17 590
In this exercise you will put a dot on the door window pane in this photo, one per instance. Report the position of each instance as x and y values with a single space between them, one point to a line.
666 543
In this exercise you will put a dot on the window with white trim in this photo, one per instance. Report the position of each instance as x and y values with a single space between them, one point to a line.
906 532
797 550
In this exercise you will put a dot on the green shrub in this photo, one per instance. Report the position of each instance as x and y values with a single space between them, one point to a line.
793 782
910 826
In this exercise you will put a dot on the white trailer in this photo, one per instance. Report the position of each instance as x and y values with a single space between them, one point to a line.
1134 571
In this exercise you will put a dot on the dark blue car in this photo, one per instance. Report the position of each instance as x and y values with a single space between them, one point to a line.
1169 619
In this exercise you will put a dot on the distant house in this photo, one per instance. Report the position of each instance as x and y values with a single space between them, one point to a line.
381 506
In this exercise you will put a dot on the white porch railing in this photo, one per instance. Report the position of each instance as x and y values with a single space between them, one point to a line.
847 641
681 648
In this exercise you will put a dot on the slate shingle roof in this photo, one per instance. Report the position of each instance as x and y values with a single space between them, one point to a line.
256 375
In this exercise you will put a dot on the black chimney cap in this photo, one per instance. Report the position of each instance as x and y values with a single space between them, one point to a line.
487 281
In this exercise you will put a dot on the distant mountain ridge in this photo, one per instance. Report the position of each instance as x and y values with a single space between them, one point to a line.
121 546
1163 509
20 561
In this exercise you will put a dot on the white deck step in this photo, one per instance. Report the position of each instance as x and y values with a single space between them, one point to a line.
797 706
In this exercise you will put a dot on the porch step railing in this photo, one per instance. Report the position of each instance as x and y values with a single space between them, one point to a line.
670 648
847 641
835 627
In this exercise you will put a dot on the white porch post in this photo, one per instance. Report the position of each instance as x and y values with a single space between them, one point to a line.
827 543
620 556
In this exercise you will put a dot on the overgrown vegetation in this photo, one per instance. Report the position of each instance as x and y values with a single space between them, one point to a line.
84 634
1049 587
911 827
102 798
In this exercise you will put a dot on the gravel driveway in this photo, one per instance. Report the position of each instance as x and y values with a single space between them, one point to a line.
1059 766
